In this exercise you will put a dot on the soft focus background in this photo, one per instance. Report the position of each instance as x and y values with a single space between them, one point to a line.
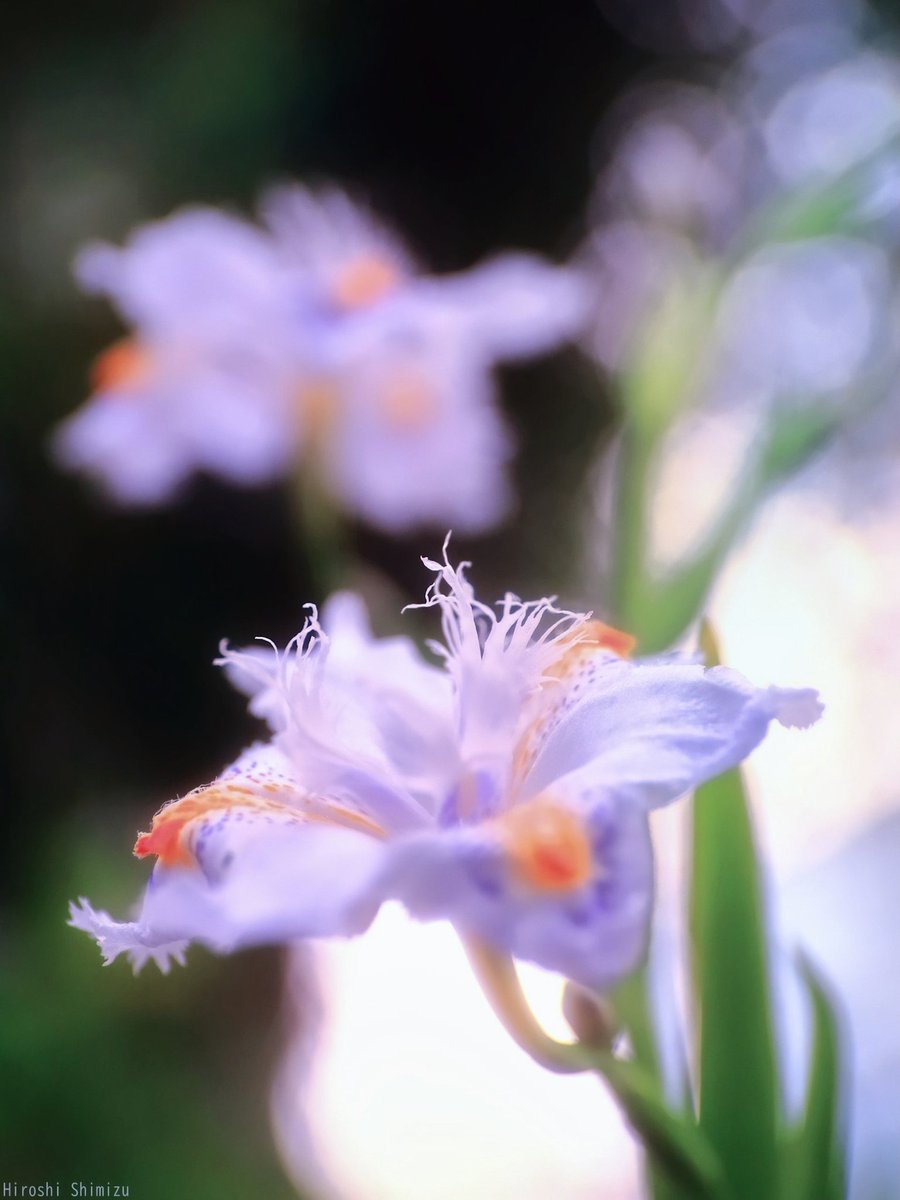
636 137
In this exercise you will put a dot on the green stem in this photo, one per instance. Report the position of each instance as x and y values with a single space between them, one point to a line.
632 516
496 973
677 1150
321 530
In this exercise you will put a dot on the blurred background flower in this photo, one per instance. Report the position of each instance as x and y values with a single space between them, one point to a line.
742 239
315 349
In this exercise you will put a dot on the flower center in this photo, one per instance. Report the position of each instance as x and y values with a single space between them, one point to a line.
547 845
407 400
364 281
317 404
124 364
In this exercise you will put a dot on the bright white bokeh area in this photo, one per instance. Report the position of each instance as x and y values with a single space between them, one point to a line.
414 1089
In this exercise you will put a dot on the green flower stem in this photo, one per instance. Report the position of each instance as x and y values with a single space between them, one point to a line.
496 973
637 453
669 360
658 611
677 1150
662 609
321 530
812 211
631 1001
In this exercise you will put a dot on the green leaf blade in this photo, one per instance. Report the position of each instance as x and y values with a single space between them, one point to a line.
681 1159
631 1003
814 1167
739 1098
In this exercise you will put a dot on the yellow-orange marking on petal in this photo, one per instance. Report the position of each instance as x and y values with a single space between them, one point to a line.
328 812
547 845
164 840
364 281
125 363
579 644
167 840
584 640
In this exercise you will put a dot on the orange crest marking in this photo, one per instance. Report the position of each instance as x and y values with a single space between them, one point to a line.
166 837
407 400
364 281
586 638
549 706
547 845
123 364
253 794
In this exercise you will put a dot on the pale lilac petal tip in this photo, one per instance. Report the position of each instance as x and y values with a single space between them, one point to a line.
796 708
115 938
96 267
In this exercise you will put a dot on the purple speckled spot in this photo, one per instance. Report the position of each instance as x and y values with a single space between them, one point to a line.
604 835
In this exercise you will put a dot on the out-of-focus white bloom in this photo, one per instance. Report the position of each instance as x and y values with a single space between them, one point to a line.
314 342
506 791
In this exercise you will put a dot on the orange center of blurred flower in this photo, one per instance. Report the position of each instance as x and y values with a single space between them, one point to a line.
364 281
408 400
547 845
317 403
124 364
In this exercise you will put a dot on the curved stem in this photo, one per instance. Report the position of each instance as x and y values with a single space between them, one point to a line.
496 973
677 1149
322 532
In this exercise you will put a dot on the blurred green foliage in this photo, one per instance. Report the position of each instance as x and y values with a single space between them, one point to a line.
728 1135
152 1082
